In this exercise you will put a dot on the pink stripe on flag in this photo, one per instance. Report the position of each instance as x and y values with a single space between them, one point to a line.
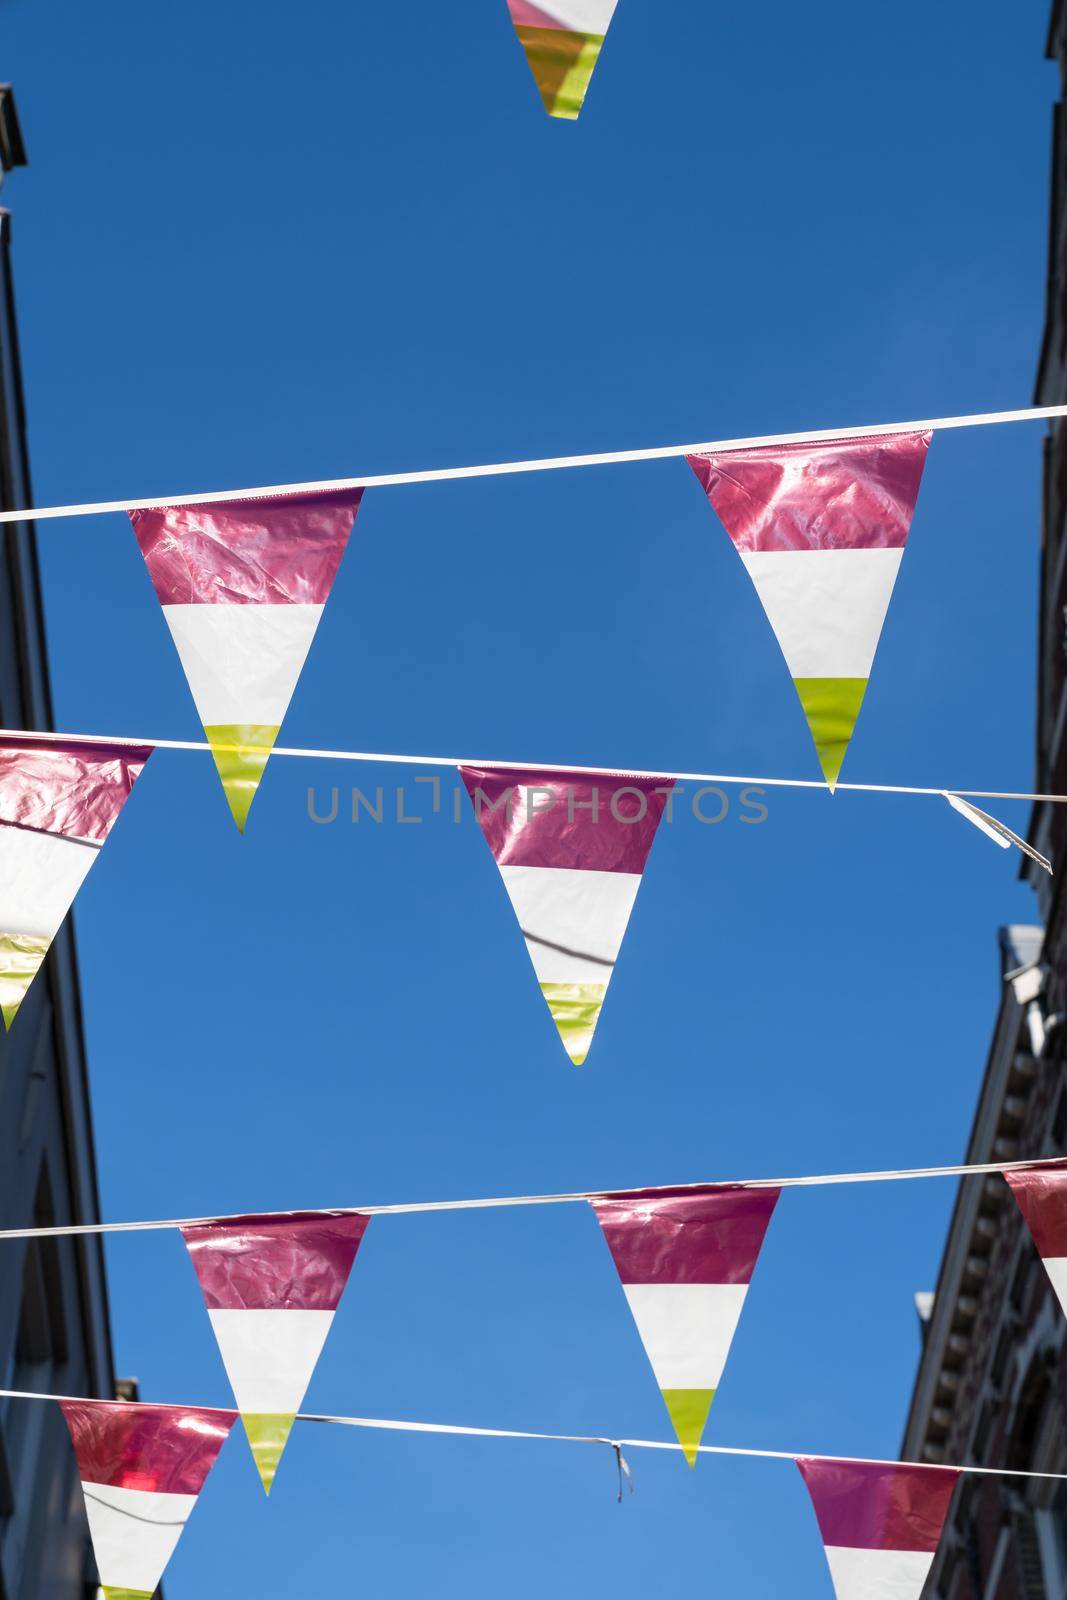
524 15
848 494
247 552
551 820
1042 1198
863 1506
296 1263
160 1449
76 790
709 1235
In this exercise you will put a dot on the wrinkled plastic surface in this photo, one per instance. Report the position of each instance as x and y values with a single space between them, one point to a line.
162 1449
76 790
848 494
864 1506
709 1235
298 1262
1042 1199
284 551
565 819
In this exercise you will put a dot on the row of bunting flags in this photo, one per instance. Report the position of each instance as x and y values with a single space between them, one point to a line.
142 1468
685 1259
820 528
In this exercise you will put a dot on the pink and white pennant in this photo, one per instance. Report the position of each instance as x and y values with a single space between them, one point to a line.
141 1469
243 585
271 1286
686 1258
571 848
880 1523
58 803
821 528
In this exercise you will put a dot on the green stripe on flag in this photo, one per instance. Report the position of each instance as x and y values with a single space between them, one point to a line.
240 753
562 63
21 955
267 1435
575 1008
688 1410
831 706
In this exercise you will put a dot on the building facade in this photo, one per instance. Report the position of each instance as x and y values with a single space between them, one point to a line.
991 1389
54 1331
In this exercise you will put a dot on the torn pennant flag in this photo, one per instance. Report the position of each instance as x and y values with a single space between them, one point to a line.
243 584
821 529
271 1286
141 1469
562 40
880 1524
571 848
58 803
685 1258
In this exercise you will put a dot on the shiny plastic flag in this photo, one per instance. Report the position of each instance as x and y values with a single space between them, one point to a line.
271 1286
821 529
562 40
141 1469
686 1258
880 1524
1042 1199
571 848
243 584
58 803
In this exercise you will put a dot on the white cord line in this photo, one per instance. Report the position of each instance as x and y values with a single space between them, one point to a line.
499 1203
392 1425
388 758
547 464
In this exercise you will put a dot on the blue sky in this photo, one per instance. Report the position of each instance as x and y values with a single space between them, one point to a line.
259 243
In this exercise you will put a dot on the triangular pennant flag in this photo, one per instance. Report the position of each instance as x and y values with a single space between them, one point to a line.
141 1469
571 848
58 803
880 1524
243 584
271 1286
562 40
821 529
686 1258
1041 1194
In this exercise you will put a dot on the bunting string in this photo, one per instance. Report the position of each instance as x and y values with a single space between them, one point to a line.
395 1425
504 1202
399 759
499 469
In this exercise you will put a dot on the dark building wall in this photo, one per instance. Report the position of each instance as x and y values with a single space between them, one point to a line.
54 1332
991 1389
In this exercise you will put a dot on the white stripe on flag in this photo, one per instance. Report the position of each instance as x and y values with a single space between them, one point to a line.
270 1356
134 1533
574 920
878 1574
1056 1266
242 662
826 607
580 16
687 1329
40 874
